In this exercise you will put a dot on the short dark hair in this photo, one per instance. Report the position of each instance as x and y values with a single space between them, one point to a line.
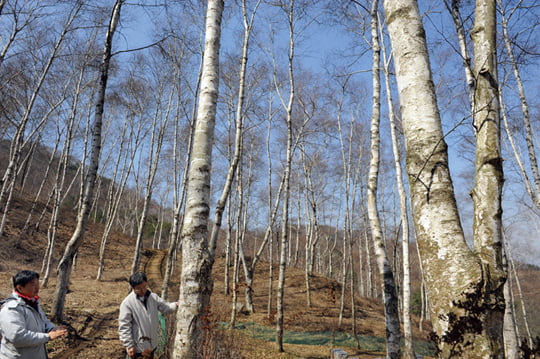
24 277
137 278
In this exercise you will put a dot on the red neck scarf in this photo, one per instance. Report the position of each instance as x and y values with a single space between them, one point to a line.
27 297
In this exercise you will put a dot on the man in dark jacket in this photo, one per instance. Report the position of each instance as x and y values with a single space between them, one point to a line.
23 325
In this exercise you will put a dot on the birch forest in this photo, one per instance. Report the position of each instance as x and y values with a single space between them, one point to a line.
387 145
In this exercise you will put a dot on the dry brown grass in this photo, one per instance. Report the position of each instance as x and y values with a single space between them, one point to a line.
92 306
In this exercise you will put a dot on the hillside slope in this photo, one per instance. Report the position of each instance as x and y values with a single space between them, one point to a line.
92 306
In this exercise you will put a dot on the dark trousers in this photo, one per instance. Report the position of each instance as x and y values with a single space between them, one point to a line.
140 355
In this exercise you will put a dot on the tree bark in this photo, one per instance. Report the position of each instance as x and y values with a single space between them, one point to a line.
467 310
284 248
180 203
408 351
66 262
239 135
196 281
390 298
511 339
487 192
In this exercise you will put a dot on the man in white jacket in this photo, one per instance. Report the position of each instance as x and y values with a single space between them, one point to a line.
138 324
23 325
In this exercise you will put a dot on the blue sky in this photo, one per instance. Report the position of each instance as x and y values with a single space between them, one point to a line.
322 41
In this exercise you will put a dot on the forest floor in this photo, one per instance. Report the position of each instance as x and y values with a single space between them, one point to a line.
91 308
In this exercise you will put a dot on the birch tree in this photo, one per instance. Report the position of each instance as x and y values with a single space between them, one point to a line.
239 121
390 299
346 157
196 281
288 107
489 177
239 205
179 198
159 126
396 148
127 151
514 276
532 185
66 262
22 16
510 329
60 179
509 332
467 310
249 268
7 182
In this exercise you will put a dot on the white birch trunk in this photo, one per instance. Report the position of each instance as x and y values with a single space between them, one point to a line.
180 203
239 134
236 264
269 230
406 283
284 248
66 262
472 283
250 266
511 340
487 192
346 155
343 280
270 278
228 239
353 297
529 133
481 47
515 276
196 281
390 298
